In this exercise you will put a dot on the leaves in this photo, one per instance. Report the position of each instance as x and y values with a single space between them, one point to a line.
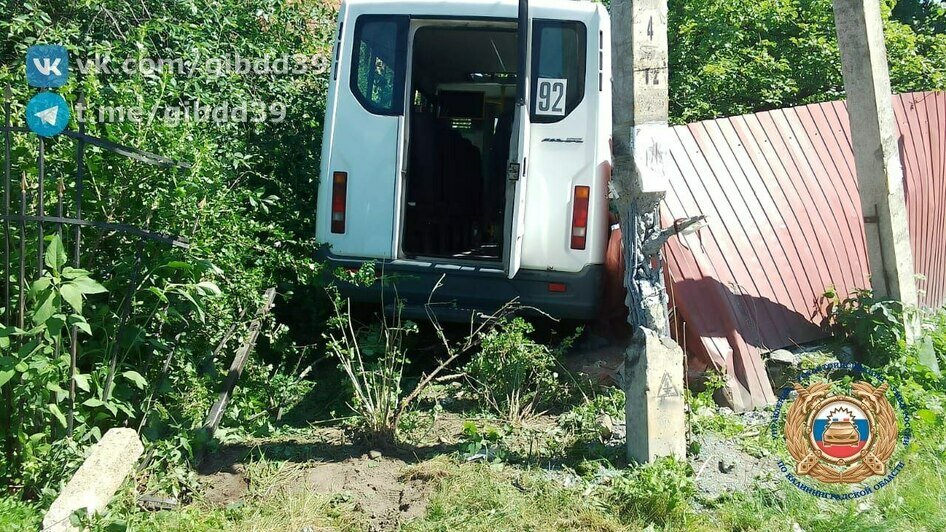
208 288
234 254
46 309
135 378
55 255
742 56
82 382
71 294
57 413
86 286
6 375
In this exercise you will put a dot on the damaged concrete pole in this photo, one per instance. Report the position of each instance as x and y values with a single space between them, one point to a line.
655 407
97 480
654 380
876 152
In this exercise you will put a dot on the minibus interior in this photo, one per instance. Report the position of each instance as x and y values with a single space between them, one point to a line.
462 103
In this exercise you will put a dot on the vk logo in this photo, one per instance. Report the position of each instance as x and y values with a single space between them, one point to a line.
47 65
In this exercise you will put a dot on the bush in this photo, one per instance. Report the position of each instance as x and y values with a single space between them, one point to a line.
373 359
512 374
148 359
874 326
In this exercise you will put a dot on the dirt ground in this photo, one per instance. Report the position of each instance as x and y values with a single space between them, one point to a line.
385 486
380 481
380 487
389 491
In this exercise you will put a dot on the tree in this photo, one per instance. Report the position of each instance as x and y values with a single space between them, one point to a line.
730 57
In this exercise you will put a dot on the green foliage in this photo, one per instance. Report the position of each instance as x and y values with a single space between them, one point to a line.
486 443
873 325
924 16
17 516
486 497
656 493
373 359
34 367
582 420
109 385
148 356
704 416
734 57
512 374
273 502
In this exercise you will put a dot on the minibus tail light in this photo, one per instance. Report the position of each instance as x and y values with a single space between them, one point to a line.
580 217
339 201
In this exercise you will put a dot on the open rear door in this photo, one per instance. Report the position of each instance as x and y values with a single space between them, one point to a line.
518 167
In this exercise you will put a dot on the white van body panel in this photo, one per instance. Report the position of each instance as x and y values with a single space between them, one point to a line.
558 165
562 155
371 207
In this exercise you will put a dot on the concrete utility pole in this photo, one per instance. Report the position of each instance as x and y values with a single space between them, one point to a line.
654 380
876 152
877 160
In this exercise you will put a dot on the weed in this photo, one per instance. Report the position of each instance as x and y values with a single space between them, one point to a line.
874 325
583 420
480 497
703 415
487 443
18 516
656 493
512 374
373 358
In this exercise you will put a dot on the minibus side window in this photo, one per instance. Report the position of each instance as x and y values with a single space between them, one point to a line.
558 69
378 63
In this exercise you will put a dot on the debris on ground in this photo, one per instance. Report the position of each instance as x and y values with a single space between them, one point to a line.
722 468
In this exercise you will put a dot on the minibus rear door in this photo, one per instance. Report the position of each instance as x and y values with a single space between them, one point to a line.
518 167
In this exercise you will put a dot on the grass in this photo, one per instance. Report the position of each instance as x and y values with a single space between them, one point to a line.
536 485
16 516
476 496
297 511
275 500
483 497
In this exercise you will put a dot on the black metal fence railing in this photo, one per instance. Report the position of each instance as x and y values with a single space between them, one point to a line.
16 222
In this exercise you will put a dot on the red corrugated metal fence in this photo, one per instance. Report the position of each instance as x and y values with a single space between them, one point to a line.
780 192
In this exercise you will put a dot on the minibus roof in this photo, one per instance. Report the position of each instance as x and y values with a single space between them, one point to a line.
475 8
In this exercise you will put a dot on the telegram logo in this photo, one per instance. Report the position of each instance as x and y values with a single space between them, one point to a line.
47 114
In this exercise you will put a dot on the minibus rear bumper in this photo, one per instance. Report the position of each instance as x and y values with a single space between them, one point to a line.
466 290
